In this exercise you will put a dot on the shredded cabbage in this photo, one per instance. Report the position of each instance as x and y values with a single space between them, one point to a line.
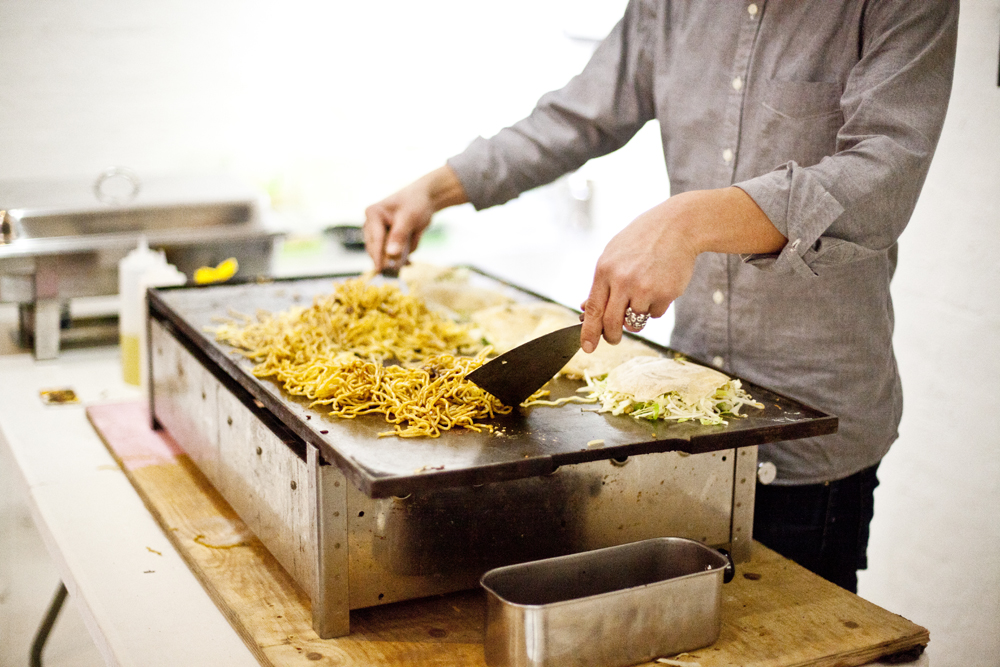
726 401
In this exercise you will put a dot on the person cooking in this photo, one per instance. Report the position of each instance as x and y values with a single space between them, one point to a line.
797 137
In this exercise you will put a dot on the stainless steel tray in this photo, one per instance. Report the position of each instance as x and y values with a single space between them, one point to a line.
607 607
526 443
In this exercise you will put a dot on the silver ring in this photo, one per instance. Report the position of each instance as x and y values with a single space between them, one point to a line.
634 320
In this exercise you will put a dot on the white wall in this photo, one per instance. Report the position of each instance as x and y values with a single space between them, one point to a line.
333 105
935 550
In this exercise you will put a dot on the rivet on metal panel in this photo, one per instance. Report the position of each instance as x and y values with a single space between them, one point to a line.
259 451
294 485
361 514
229 420
619 462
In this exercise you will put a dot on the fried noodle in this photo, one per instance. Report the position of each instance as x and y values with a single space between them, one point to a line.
368 349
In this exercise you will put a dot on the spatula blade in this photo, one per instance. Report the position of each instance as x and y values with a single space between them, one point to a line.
517 374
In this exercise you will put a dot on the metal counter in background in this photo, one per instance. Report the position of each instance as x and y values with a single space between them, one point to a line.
358 520
62 240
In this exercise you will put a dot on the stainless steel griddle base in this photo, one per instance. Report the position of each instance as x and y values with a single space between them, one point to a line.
355 524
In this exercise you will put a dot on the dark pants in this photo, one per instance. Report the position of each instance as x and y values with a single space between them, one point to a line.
822 527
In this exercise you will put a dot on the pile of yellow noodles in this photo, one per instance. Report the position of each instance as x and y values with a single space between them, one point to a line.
421 401
335 352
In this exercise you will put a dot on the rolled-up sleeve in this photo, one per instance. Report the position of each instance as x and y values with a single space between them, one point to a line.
597 112
856 202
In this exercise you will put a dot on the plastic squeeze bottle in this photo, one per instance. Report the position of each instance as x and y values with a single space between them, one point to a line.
140 269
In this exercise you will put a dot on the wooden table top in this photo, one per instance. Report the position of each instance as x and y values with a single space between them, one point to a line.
774 613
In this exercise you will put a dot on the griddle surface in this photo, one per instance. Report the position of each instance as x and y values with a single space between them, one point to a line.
527 442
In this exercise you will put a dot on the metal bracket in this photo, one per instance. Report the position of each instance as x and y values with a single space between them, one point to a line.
331 599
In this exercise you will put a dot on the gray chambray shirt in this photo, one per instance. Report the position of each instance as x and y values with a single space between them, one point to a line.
827 113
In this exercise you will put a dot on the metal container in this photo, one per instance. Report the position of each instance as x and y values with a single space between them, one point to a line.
62 240
605 608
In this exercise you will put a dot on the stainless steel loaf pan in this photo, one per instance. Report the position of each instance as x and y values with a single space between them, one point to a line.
605 608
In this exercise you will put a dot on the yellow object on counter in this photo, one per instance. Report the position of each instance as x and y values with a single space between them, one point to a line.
220 274
131 363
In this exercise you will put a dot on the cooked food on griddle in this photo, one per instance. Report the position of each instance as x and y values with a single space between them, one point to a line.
421 401
506 327
359 319
448 290
371 349
606 357
671 389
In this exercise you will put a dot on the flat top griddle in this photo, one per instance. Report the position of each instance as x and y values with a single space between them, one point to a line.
527 442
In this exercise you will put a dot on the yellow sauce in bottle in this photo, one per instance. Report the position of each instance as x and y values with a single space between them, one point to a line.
130 358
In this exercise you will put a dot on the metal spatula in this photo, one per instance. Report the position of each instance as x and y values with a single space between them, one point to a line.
517 374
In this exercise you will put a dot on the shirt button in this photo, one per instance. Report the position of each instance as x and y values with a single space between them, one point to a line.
727 155
752 9
718 362
737 83
718 297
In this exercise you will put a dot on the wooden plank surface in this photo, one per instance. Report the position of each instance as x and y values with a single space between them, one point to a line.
774 613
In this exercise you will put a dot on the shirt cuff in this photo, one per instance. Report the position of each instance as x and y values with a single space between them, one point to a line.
801 208
481 175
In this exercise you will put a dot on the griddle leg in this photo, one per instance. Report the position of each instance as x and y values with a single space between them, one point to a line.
46 627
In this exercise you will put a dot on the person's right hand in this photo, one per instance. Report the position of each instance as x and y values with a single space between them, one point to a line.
393 226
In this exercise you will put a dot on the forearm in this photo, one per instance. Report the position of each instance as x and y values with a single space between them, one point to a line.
442 188
725 220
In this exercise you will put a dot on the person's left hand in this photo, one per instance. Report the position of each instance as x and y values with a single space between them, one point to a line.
645 267
649 264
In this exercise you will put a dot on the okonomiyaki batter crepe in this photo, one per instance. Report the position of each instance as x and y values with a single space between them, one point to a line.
662 388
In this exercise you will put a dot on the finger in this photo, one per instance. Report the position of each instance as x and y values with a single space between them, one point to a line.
374 230
657 310
583 307
614 316
590 335
397 241
416 236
